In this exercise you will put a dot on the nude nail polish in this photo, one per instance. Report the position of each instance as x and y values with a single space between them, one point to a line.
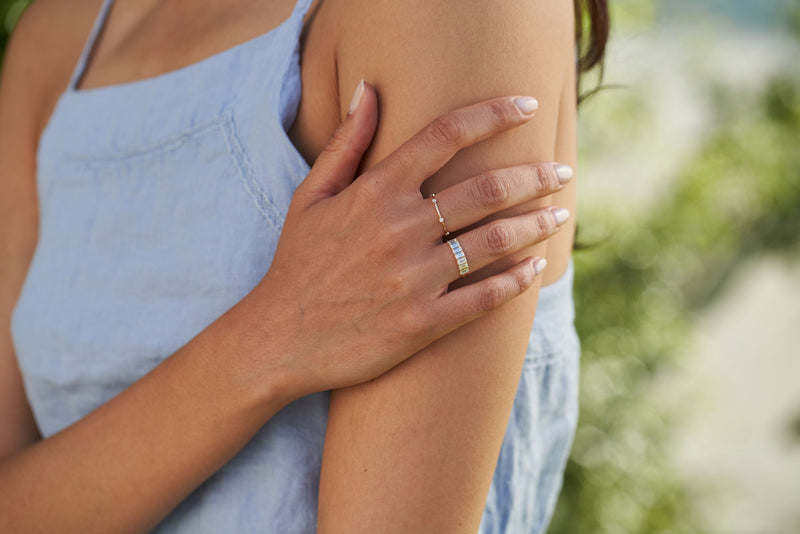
564 173
357 96
561 215
526 104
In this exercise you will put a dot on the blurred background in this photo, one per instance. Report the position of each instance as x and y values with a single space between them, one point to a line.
688 282
688 290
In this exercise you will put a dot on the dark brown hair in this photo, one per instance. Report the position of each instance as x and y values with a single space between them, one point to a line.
592 23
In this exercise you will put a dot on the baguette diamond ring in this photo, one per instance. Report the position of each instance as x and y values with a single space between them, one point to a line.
461 258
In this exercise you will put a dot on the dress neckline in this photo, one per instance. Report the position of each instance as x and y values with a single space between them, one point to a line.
175 74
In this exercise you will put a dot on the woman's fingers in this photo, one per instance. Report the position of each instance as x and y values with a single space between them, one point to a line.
336 166
433 146
467 303
494 240
475 199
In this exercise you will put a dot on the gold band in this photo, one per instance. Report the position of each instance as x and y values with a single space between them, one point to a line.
461 258
439 213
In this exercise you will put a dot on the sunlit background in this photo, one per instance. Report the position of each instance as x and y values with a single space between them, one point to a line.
688 285
689 292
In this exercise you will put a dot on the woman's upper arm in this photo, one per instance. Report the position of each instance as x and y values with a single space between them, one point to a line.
35 69
415 450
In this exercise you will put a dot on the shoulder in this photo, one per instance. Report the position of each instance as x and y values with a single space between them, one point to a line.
51 33
454 18
451 35
37 63
43 49
432 56
426 57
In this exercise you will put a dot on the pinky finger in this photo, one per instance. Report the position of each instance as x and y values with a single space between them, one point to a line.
467 303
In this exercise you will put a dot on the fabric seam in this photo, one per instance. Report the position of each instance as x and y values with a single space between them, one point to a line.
247 177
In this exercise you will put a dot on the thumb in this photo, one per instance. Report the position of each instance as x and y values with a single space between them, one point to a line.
336 166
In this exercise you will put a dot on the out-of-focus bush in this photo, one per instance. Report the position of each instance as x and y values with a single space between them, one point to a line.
642 283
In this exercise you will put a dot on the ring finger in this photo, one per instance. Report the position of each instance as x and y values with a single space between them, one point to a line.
492 241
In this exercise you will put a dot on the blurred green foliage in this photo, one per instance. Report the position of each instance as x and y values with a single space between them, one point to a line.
794 429
638 290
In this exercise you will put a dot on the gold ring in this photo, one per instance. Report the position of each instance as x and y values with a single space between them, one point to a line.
461 258
439 213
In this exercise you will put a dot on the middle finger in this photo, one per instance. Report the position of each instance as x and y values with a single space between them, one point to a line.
475 199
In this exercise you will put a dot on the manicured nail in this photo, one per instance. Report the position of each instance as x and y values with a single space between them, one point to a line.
539 266
561 215
526 104
357 97
564 173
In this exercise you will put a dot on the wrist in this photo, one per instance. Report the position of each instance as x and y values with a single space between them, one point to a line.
263 352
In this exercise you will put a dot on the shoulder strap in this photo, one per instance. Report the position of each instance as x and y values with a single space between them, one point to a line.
301 8
89 45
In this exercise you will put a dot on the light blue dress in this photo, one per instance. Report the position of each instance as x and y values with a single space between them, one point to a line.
161 202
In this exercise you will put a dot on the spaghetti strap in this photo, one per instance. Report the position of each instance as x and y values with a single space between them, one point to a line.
302 7
295 20
89 45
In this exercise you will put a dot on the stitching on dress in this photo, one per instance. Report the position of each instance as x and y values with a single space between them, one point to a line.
263 203
162 146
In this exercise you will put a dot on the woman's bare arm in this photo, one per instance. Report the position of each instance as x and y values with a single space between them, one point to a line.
127 464
18 220
415 450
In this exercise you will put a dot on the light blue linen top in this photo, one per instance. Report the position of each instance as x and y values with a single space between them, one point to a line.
161 202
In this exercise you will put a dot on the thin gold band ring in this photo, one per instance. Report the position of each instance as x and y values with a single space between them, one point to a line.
439 213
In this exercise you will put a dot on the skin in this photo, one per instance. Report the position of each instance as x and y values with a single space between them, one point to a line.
378 474
415 450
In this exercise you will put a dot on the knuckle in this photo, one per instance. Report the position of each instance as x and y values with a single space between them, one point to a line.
397 230
398 286
412 321
498 113
542 178
499 238
544 223
397 220
492 189
397 283
492 295
368 192
338 141
524 278
446 131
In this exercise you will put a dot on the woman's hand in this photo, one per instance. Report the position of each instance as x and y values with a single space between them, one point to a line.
360 277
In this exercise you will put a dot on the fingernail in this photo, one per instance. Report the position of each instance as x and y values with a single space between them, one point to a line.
539 266
526 104
564 173
357 97
561 215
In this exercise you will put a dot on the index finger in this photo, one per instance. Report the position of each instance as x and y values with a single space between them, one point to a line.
433 146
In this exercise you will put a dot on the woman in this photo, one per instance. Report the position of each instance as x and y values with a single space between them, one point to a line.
154 344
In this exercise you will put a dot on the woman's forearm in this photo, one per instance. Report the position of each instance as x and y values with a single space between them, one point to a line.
126 465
